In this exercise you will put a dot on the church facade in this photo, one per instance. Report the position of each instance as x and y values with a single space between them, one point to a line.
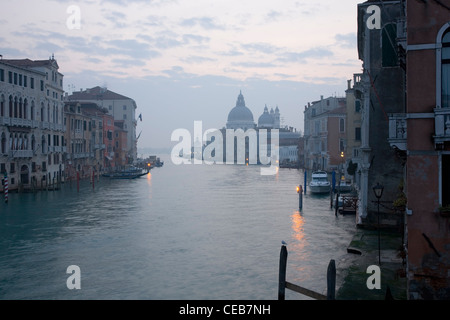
267 132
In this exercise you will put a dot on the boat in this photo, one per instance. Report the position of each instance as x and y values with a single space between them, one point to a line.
344 187
319 182
131 173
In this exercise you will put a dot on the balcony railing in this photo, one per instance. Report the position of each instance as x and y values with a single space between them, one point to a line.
21 154
442 126
397 130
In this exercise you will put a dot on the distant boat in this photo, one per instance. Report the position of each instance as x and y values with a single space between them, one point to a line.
319 182
131 173
344 186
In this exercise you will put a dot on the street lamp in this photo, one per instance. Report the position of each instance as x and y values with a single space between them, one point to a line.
378 190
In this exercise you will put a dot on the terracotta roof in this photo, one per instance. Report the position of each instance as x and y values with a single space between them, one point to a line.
97 93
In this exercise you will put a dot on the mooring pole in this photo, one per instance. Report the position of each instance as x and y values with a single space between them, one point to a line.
78 181
282 273
331 280
300 197
305 181
6 188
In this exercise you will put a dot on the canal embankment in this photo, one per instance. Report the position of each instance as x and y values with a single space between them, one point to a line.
354 269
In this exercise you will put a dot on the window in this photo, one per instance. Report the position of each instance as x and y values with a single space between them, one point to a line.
341 145
15 78
124 107
32 83
357 106
2 75
341 125
358 134
42 85
445 175
445 85
10 77
388 47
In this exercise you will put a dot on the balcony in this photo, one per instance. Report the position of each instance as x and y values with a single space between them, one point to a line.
21 154
442 126
397 130
5 121
21 122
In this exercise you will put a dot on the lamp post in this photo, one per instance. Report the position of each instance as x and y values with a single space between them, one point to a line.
378 190
300 196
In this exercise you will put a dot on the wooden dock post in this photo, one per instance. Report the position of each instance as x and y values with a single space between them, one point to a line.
282 273
283 284
331 280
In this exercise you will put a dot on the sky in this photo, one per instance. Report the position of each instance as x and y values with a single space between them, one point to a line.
184 61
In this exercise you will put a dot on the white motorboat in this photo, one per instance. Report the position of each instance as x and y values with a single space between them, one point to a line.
344 186
319 182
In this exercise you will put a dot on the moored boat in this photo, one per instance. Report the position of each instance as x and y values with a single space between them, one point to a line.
131 173
319 182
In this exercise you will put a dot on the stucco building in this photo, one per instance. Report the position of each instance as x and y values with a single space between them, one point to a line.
31 123
325 133
120 107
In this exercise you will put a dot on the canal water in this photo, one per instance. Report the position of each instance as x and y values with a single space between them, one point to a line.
181 232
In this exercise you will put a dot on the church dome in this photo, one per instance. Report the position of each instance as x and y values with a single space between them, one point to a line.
240 117
240 112
266 119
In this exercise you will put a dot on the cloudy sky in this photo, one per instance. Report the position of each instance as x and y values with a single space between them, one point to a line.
183 61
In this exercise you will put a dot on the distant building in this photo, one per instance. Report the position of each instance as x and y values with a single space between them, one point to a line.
80 157
325 133
353 96
241 118
31 123
120 107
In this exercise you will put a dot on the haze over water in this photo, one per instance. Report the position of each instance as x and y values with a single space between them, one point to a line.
182 232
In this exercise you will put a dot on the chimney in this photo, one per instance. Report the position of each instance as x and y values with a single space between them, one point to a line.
349 84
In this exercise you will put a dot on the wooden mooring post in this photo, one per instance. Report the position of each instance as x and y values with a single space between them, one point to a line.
283 284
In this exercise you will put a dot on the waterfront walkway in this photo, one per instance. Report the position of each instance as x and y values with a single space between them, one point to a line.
363 251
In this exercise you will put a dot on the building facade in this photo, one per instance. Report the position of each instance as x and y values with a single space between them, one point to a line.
382 88
325 133
31 123
118 106
422 136
352 151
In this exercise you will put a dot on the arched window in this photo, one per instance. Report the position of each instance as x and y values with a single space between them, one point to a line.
2 106
25 107
15 107
43 144
10 111
20 107
33 143
32 110
3 143
42 111
445 70
341 125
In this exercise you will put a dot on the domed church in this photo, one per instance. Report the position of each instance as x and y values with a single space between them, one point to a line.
269 120
240 117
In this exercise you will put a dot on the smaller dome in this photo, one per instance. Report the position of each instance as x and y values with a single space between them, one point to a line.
266 119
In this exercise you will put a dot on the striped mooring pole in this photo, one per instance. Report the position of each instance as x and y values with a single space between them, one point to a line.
6 188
